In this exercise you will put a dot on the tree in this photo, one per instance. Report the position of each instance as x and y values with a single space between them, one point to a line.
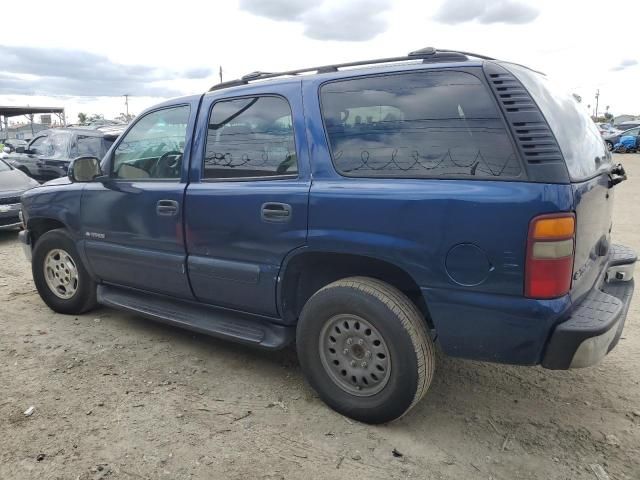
82 117
123 117
95 117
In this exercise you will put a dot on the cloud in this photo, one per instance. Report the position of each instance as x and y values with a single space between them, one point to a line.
354 21
345 20
279 9
47 71
624 64
481 11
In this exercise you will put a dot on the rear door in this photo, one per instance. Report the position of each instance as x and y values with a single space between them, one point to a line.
246 204
588 164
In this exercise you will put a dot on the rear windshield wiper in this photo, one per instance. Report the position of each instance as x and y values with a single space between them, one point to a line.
617 175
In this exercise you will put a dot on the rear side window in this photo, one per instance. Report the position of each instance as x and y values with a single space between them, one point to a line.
250 137
440 124
87 146
580 141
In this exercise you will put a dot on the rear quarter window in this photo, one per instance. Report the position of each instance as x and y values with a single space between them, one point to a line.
431 124
581 144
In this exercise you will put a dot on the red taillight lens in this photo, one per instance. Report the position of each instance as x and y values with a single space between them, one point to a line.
550 249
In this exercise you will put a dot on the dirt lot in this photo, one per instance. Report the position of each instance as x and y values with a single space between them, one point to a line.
120 397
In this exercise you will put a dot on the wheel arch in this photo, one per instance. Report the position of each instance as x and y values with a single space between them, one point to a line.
40 225
306 271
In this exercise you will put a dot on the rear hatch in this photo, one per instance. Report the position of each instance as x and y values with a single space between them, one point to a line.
589 164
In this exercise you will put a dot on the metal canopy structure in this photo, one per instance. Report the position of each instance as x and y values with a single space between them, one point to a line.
15 111
28 110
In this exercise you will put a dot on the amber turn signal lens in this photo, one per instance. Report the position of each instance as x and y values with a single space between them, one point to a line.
554 228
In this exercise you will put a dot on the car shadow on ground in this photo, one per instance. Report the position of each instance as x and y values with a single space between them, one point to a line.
454 378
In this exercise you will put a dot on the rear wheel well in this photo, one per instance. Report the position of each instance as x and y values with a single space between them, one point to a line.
307 273
40 226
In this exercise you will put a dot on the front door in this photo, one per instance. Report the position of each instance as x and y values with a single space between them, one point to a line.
133 221
246 204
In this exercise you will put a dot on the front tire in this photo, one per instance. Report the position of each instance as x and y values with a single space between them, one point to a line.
364 347
60 277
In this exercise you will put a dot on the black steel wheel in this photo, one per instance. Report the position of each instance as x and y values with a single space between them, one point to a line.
364 347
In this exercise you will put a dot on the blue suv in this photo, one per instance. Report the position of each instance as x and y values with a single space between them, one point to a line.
370 212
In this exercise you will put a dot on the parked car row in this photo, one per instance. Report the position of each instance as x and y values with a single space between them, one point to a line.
13 183
12 143
48 156
49 153
607 129
613 140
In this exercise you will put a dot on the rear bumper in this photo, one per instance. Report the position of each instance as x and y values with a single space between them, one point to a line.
596 324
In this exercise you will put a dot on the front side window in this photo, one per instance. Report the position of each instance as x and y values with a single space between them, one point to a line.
154 146
438 124
250 137
36 145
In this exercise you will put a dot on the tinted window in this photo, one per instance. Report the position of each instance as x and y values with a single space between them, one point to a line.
153 147
86 146
427 124
250 137
633 131
578 137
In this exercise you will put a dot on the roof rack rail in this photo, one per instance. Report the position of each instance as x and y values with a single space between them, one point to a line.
428 55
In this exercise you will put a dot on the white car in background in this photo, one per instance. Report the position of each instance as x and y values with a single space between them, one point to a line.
606 129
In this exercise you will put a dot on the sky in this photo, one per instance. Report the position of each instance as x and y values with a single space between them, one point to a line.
85 58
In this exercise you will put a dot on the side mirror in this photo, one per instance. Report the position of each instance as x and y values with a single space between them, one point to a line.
20 150
84 169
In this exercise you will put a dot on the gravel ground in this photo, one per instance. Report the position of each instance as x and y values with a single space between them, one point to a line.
119 397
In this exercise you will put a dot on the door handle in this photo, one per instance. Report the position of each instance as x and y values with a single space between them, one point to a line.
276 212
167 208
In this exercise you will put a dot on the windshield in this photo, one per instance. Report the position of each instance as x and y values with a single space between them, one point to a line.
56 145
582 146
4 167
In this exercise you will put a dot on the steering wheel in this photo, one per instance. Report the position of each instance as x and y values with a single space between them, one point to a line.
168 161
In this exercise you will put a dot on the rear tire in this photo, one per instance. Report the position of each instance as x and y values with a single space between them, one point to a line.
609 146
60 277
385 356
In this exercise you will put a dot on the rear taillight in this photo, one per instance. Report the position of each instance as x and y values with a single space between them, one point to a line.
550 248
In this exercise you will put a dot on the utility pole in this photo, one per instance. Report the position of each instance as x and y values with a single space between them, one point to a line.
126 104
597 100
220 72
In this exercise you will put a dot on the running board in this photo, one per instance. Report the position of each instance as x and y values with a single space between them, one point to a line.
226 324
